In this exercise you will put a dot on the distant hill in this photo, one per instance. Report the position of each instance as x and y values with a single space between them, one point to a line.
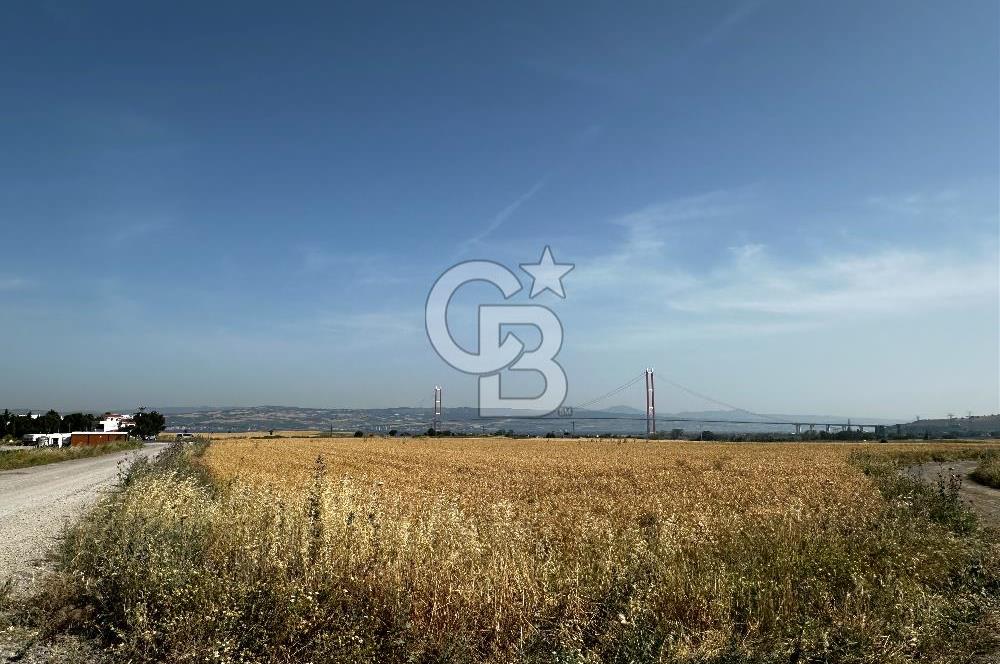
618 419
624 410
957 426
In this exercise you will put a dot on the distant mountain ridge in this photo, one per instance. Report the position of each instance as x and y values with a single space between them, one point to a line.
617 419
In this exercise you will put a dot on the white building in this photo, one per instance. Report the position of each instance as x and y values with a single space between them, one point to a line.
114 422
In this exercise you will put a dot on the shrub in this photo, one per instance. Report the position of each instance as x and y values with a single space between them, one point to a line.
988 471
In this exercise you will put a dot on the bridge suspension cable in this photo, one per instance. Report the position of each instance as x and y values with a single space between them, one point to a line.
717 402
635 380
607 395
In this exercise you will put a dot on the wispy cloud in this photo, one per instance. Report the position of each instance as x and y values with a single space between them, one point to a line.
370 329
128 233
731 21
919 203
748 291
502 216
649 227
656 331
652 237
886 281
13 283
366 269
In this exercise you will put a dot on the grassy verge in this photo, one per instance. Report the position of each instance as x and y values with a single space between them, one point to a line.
988 471
32 456
177 567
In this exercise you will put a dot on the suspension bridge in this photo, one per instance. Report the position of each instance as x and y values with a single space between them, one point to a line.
590 411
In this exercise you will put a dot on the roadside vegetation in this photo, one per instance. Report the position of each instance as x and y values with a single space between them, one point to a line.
988 471
13 427
39 456
374 550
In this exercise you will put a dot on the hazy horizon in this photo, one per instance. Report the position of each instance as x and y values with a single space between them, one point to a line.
663 414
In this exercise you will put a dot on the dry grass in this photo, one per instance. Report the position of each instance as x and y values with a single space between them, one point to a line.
283 433
502 550
40 456
168 436
547 481
988 471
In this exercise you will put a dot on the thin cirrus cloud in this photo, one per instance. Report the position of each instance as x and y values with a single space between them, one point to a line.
502 216
644 255
354 268
748 282
131 232
731 21
648 229
369 330
13 283
890 281
919 203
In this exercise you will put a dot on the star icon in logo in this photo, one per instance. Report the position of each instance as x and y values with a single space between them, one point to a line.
546 274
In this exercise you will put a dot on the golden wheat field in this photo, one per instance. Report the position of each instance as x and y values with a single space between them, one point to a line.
540 479
500 550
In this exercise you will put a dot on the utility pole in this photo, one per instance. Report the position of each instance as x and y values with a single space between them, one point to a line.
650 405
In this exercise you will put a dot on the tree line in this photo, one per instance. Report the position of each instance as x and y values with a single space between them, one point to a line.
17 426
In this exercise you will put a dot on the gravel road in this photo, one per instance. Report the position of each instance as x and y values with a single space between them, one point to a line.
35 504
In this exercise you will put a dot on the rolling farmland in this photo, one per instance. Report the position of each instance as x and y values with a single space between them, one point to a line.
534 550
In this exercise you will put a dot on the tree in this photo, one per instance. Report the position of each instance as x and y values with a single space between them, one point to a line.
78 422
22 425
359 434
148 424
50 422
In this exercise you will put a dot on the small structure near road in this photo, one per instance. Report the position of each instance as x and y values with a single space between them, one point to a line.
48 439
93 438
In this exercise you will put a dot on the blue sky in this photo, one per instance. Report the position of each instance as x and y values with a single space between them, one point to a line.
792 206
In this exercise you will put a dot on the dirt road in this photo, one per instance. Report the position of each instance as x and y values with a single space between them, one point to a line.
36 502
984 500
